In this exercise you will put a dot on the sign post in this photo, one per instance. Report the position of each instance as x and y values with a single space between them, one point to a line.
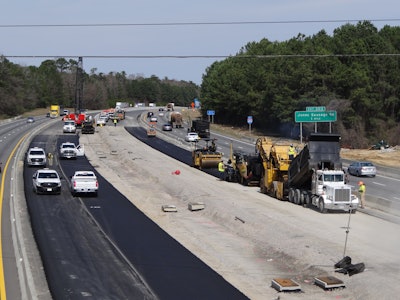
249 121
212 114
314 114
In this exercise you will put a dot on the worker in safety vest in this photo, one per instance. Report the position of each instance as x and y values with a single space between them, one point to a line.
115 122
291 152
361 191
221 170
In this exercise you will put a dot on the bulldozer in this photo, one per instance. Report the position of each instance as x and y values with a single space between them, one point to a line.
207 157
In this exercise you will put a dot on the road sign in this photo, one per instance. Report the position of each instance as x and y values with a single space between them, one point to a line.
249 119
315 108
310 116
210 112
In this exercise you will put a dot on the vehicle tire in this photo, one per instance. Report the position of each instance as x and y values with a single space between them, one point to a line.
321 206
306 199
297 196
263 190
291 195
358 174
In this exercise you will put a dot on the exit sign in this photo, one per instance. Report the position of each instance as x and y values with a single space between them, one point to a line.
315 108
315 116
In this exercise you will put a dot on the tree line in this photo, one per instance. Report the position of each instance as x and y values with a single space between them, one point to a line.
24 88
355 72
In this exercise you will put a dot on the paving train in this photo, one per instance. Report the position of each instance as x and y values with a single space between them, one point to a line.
314 177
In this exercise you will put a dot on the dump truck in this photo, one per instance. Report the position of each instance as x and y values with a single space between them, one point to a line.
316 177
275 161
54 111
176 119
201 127
207 157
170 106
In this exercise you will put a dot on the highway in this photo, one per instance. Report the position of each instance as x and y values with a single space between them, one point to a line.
68 235
382 192
103 246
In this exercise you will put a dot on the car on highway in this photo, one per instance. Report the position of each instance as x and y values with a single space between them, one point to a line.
87 128
167 127
30 120
362 168
192 137
153 119
36 157
46 181
102 120
69 126
68 151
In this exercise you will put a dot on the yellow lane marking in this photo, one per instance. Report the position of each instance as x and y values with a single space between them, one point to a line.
3 295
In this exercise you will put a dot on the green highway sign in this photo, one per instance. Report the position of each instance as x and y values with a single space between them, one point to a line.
315 108
315 116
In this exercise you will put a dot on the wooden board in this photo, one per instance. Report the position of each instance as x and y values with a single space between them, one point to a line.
285 284
329 282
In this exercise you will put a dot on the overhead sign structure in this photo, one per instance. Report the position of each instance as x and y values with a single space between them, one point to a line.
312 116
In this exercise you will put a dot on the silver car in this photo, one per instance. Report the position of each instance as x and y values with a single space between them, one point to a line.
362 168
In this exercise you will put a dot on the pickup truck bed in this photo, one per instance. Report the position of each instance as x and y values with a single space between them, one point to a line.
84 182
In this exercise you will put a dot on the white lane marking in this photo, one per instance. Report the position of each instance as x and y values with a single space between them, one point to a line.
397 198
377 183
391 178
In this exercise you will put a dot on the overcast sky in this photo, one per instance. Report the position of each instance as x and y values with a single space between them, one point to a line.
152 39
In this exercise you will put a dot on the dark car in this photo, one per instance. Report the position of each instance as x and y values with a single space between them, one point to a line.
362 168
167 127
87 127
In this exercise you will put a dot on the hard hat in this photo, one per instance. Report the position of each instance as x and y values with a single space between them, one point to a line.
360 183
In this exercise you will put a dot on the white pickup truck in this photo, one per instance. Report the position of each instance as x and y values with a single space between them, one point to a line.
84 182
69 150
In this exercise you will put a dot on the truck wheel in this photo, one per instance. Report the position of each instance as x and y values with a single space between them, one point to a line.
297 196
321 206
291 195
306 199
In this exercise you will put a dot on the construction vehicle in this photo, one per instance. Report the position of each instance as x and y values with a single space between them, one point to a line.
316 177
54 111
248 168
176 119
201 127
275 161
207 157
151 131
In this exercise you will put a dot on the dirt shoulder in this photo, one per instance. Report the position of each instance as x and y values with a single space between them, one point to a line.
247 237
387 157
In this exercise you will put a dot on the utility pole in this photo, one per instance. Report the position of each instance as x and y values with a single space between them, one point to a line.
79 86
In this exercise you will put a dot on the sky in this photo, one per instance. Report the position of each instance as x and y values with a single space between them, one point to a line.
158 37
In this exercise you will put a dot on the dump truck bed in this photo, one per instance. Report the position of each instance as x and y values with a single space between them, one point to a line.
321 152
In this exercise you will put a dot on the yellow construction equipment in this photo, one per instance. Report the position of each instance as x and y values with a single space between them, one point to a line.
207 157
275 160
